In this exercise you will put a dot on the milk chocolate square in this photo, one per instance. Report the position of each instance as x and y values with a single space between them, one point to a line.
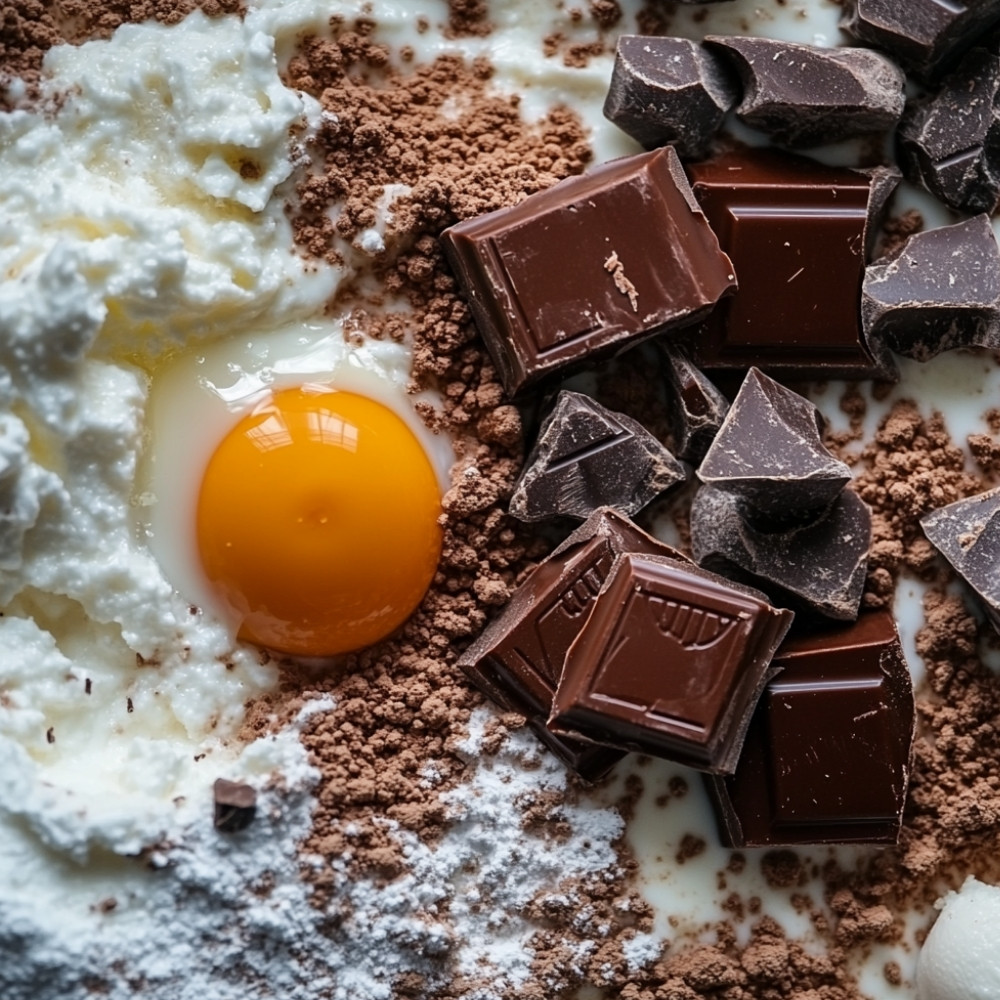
588 267
827 756
671 662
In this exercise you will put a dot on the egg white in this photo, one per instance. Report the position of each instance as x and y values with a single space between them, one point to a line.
198 397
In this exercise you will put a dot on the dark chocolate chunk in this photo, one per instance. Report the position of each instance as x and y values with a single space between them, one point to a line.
671 662
802 95
697 408
588 267
827 757
518 659
941 292
967 534
925 36
235 805
587 457
769 452
950 143
669 90
797 233
817 567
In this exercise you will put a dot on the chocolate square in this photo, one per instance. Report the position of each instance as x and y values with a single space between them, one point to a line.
588 267
671 662
796 232
518 659
827 756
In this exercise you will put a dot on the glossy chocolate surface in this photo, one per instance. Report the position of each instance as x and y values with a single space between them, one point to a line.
827 756
588 267
797 233
804 95
587 456
518 659
669 90
941 292
670 663
967 534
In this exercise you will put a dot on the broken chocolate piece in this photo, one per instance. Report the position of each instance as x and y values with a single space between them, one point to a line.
669 90
796 232
941 292
697 408
588 267
967 534
670 662
769 451
817 568
235 805
587 457
518 659
802 95
925 36
950 143
827 756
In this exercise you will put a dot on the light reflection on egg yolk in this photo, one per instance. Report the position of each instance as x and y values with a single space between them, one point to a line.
317 522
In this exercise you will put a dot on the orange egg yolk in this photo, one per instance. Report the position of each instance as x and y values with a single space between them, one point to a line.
317 522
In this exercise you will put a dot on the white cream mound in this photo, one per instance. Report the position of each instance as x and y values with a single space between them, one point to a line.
960 959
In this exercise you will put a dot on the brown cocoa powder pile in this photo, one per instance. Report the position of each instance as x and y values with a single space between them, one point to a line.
29 28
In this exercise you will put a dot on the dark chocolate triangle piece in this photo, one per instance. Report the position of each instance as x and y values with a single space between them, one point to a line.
669 91
697 408
586 457
950 143
769 452
941 292
802 95
967 534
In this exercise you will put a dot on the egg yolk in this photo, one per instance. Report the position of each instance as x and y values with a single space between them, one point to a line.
317 522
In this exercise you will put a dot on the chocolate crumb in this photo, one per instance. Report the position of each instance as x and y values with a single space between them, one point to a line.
235 805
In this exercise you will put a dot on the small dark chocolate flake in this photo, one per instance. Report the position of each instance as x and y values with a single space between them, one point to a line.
88 686
967 534
941 292
950 143
769 452
669 91
817 568
803 95
50 735
235 805
129 707
925 36
697 407
587 457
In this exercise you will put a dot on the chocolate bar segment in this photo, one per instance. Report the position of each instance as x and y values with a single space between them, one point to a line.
925 36
518 659
670 662
803 95
827 756
669 90
587 457
797 233
588 267
941 292
950 143
967 534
